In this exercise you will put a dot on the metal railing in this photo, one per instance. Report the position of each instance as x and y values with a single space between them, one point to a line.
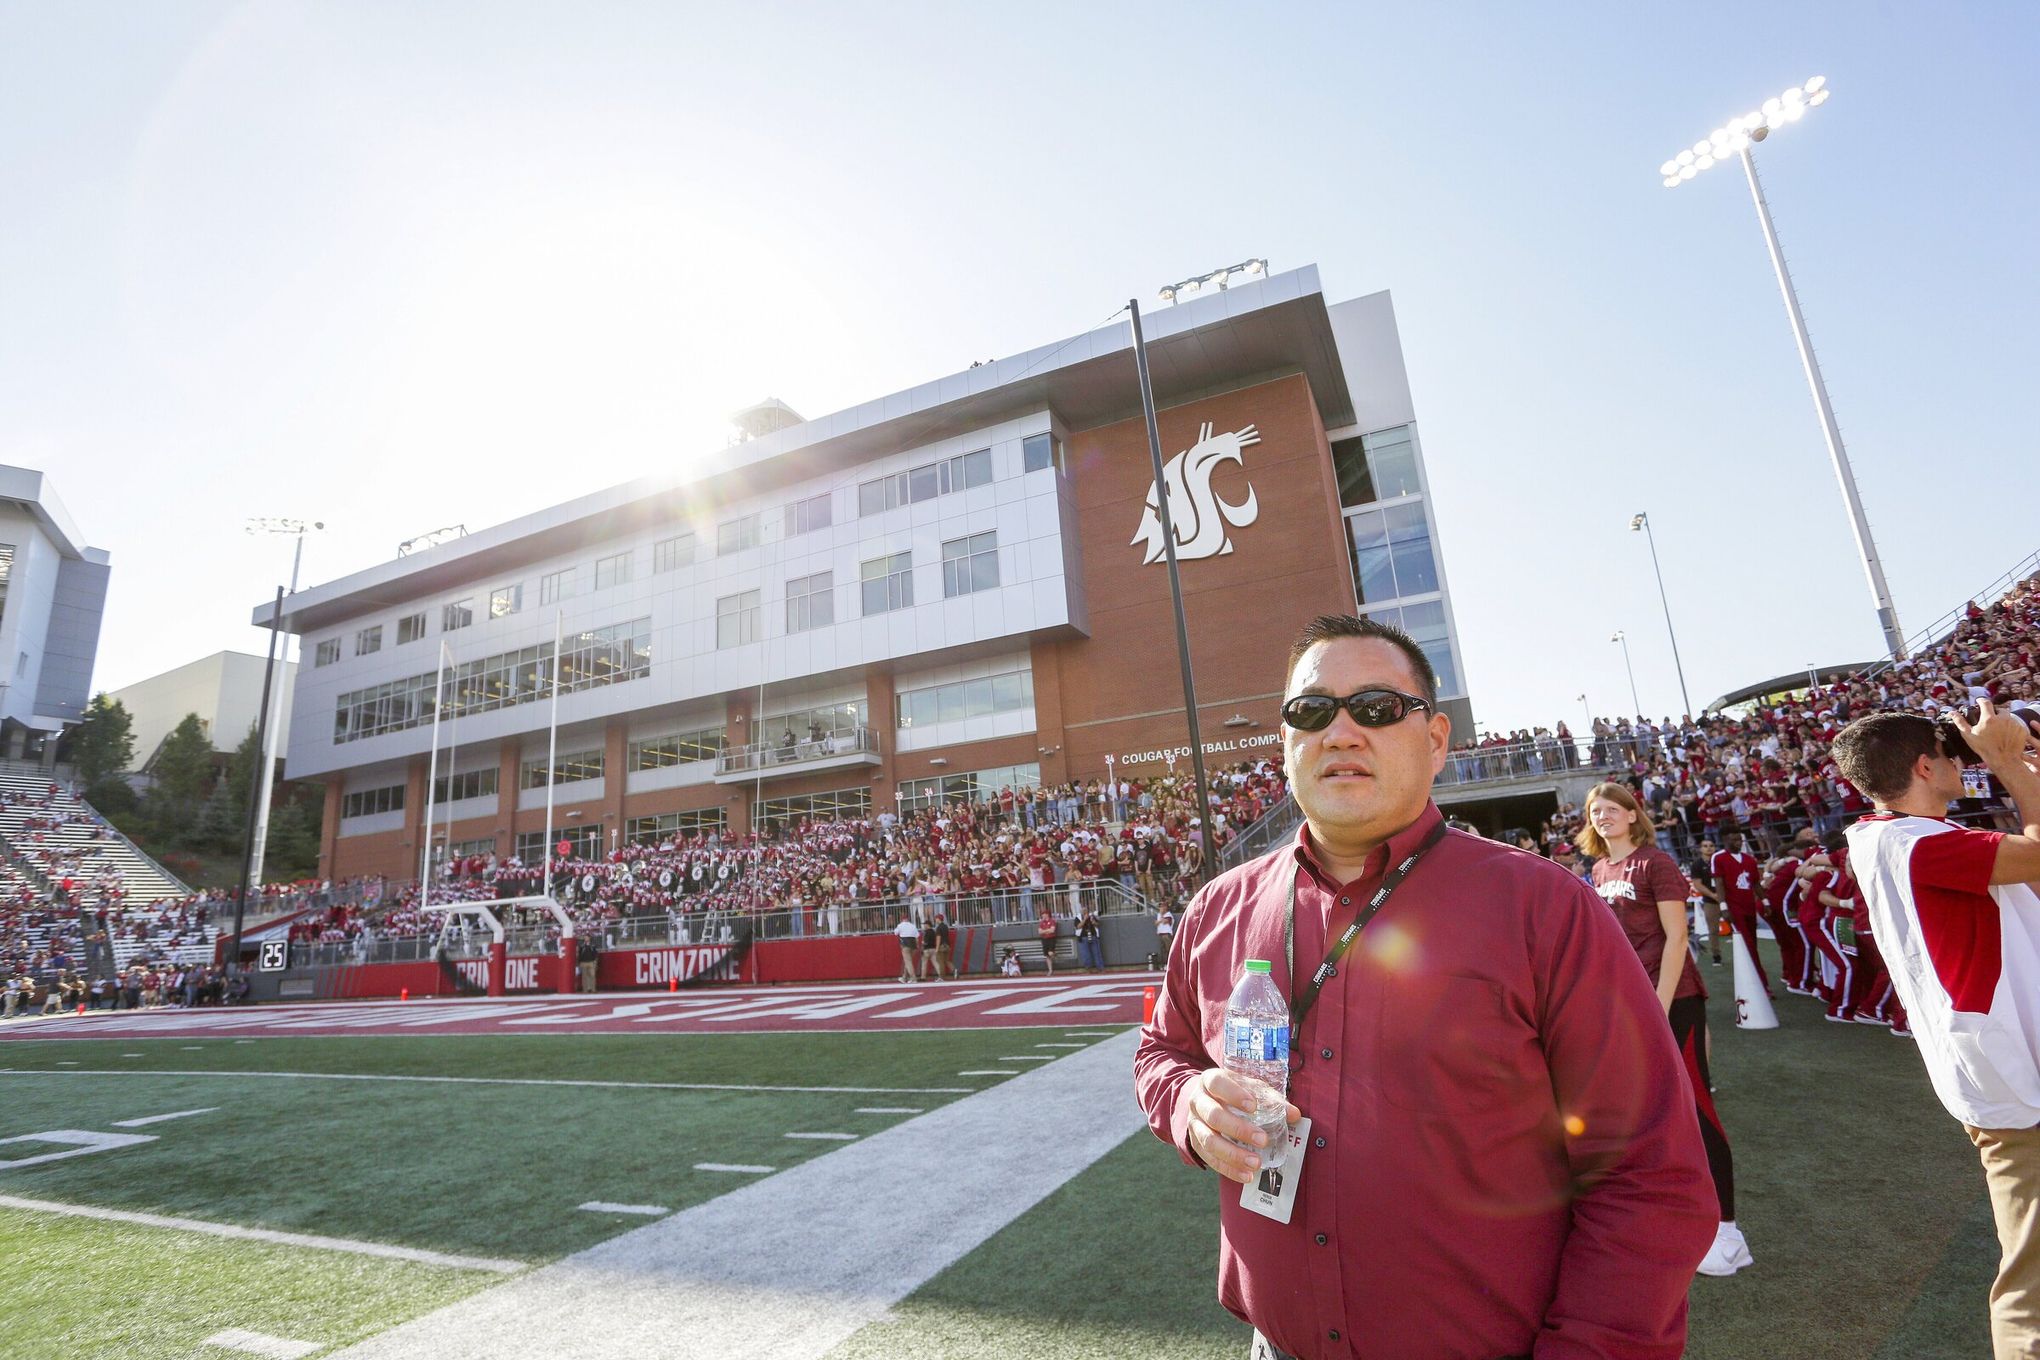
762 756
1006 906
1545 758
1276 826
1948 622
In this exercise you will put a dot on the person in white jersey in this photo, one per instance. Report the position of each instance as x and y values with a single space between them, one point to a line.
1955 913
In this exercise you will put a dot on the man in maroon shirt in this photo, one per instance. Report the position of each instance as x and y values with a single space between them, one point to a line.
1503 1157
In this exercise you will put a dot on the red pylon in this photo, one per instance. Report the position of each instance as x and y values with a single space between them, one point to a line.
404 994
1147 1006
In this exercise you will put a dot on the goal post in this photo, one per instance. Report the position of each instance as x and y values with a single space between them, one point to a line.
491 913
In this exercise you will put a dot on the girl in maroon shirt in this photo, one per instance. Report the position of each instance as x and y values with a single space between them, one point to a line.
1646 890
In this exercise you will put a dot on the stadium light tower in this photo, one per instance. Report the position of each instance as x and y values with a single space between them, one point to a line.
1641 520
1736 136
1623 638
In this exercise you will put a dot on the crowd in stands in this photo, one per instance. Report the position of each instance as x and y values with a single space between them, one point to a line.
969 861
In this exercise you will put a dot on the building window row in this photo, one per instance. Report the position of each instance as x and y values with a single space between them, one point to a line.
813 724
1392 555
970 564
451 788
667 825
681 748
472 849
774 815
369 802
582 842
588 660
1424 621
566 769
960 699
326 653
978 786
925 483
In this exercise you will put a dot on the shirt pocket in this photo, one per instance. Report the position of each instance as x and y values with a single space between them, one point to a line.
1442 1044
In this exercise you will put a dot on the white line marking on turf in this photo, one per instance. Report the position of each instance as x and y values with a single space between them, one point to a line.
825 1137
1026 1057
888 1109
285 1239
255 1343
732 1166
1055 1045
1093 1033
67 1062
603 1206
192 1048
791 1265
990 1072
130 1055
159 1118
513 1081
78 1141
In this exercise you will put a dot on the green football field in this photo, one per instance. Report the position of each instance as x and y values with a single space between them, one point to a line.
1861 1199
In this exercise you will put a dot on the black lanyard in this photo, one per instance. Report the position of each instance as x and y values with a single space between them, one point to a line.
1307 997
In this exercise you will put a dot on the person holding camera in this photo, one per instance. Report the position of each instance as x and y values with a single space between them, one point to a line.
1956 916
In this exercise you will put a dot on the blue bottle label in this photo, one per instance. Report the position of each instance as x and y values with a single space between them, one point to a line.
1256 1043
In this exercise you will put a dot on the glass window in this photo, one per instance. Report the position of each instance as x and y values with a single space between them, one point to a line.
328 652
924 483
369 802
681 748
583 842
737 619
410 628
810 602
612 571
1409 540
974 469
804 517
466 784
1037 452
1008 693
775 814
459 614
977 698
970 564
556 587
1349 461
1392 461
1373 572
655 829
669 554
567 769
368 640
888 583
736 535
505 601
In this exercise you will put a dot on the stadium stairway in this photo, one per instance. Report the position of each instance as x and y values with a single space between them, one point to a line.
102 846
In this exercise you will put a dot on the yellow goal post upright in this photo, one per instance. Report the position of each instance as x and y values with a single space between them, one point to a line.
491 913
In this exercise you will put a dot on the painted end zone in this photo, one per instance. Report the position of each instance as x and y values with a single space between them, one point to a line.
993 1003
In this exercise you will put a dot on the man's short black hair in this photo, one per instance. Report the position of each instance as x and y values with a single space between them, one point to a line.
1877 753
1326 627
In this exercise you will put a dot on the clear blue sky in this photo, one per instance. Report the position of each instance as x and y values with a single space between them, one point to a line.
399 265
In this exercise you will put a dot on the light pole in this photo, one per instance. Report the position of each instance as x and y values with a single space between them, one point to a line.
1623 638
1641 520
1737 136
265 778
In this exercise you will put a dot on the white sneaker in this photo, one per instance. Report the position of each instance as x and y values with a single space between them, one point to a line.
1729 1253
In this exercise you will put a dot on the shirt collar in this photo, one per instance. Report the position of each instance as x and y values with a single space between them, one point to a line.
1394 850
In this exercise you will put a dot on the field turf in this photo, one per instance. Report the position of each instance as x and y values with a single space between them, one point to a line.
1862 1200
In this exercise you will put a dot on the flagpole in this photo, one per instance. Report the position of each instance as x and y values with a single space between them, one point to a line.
431 778
552 746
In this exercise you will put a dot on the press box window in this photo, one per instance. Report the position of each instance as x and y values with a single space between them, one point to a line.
612 571
505 601
670 554
327 654
459 614
804 517
810 602
888 583
368 641
737 619
736 535
410 628
1039 452
556 587
926 482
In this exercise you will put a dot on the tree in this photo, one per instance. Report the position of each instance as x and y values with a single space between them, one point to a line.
222 824
181 768
292 850
102 745
244 767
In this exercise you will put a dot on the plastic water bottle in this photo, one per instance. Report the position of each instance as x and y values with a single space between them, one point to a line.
1257 1055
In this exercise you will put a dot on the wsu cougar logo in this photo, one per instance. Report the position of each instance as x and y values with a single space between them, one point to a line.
1199 516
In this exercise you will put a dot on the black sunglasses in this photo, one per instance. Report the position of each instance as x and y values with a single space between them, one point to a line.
1369 708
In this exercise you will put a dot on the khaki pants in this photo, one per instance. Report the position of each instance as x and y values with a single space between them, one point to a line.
2011 1171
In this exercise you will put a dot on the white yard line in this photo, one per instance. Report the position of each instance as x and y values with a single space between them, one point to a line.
1063 1045
823 1137
603 1206
733 1166
159 1118
1026 1057
507 1081
282 1239
789 1266
256 1343
887 1109
990 1072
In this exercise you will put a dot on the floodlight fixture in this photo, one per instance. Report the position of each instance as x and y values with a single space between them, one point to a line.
1217 278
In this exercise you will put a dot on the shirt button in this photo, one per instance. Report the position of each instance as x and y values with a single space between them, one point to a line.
1317 1142
1335 1333
1322 1239
1324 1053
